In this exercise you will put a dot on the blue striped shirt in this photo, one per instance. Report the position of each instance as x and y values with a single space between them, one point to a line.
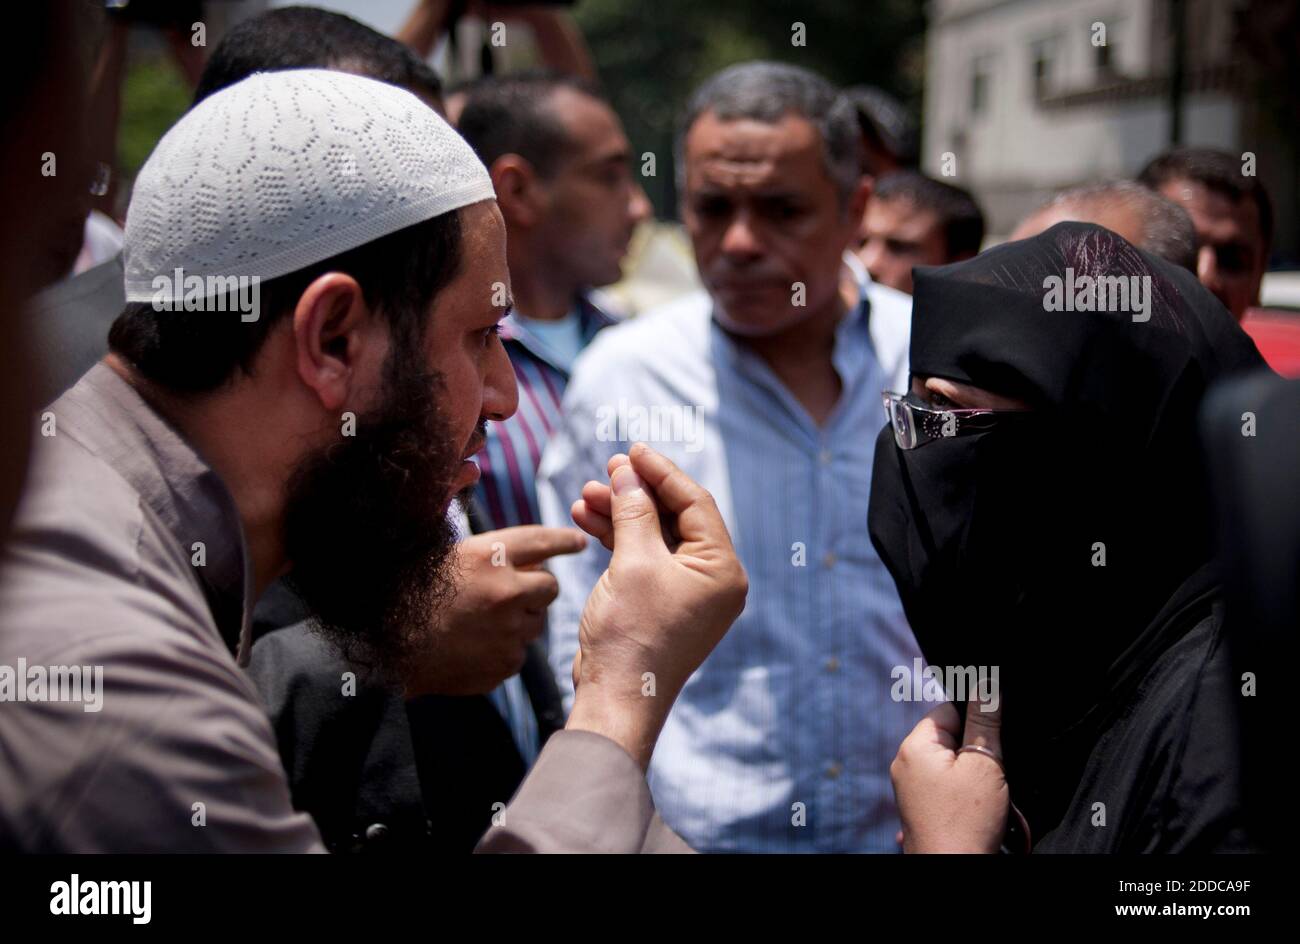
506 495
782 740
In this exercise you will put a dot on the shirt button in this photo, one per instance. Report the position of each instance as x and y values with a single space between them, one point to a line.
828 561
825 457
832 664
833 770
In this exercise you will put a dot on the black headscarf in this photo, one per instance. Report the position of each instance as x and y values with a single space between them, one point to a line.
996 539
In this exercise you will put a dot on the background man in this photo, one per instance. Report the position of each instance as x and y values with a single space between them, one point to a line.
1232 214
42 116
783 741
914 220
561 166
889 136
1139 214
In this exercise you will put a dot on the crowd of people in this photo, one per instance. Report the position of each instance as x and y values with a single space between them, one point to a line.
311 516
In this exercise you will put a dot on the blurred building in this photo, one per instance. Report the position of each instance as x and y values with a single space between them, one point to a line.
1026 99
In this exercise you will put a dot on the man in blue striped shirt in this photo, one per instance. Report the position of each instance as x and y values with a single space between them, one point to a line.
561 166
766 390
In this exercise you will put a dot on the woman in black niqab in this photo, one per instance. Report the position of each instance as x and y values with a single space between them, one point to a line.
1072 548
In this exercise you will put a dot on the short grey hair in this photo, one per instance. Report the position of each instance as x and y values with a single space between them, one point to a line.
767 91
1167 229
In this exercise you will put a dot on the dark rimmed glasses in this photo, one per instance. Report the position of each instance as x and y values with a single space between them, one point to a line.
916 423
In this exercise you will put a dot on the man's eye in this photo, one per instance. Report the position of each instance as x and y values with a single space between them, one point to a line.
1232 259
486 333
712 208
784 211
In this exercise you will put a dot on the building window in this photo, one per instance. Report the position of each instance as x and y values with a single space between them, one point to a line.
1106 57
1103 60
979 85
1042 65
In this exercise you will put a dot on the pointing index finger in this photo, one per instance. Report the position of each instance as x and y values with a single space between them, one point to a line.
534 543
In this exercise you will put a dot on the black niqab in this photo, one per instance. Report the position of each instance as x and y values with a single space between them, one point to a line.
1069 550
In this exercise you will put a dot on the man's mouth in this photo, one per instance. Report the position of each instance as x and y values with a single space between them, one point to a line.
467 476
468 473
748 287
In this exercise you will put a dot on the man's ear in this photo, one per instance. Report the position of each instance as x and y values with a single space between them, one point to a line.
855 209
336 337
518 190
858 199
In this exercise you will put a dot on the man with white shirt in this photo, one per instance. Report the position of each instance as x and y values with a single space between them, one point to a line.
766 389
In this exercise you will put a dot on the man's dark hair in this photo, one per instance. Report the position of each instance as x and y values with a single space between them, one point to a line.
189 352
309 38
514 115
1217 171
959 214
1167 229
766 92
885 122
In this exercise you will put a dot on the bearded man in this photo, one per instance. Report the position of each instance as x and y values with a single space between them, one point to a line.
314 268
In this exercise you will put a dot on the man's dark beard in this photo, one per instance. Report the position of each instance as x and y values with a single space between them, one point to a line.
366 527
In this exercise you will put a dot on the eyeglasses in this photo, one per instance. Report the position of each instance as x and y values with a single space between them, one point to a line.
916 423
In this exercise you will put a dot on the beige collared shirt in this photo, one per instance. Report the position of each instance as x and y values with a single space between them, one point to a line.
127 555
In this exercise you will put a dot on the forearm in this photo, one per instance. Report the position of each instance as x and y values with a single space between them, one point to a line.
560 43
422 28
632 727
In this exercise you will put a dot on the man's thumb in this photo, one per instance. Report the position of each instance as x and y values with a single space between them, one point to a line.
635 515
983 725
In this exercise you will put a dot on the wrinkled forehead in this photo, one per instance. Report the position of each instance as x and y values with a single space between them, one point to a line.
744 153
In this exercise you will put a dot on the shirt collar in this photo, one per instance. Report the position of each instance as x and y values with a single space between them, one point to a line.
590 318
852 357
108 417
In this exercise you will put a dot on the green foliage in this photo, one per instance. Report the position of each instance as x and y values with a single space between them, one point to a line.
154 95
652 53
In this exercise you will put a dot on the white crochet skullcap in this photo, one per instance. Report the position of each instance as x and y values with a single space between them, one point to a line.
285 169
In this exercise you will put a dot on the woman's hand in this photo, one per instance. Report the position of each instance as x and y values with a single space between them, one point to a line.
952 800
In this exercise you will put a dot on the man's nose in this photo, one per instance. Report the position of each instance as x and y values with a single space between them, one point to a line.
870 254
638 206
500 391
740 238
1207 268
